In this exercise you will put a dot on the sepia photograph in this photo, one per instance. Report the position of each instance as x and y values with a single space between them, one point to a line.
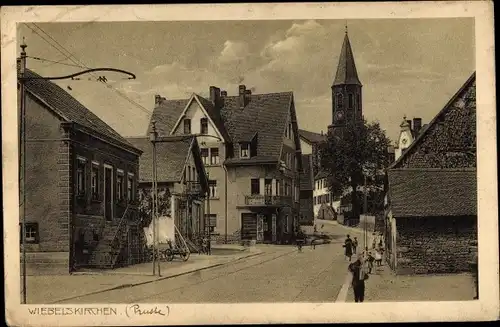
331 160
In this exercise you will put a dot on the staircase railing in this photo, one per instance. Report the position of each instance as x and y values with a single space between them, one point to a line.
116 240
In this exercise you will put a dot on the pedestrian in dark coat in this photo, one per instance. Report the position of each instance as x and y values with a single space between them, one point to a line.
358 279
348 247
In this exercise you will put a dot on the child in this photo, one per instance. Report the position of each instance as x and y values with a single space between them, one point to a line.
378 257
369 260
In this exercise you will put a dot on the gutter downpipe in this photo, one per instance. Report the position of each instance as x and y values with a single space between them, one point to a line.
225 202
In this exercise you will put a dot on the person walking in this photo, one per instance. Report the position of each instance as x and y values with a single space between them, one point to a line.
354 245
348 247
359 276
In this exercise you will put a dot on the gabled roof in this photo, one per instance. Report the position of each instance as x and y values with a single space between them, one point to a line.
306 181
166 115
215 116
266 114
70 110
427 128
346 69
433 192
312 137
171 155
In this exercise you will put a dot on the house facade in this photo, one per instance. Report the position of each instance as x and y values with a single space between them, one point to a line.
182 184
252 146
326 205
306 177
81 185
432 214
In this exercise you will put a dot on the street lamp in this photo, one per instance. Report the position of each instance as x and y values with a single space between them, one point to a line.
22 138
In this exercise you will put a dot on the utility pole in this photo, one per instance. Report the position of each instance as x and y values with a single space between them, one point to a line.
152 137
208 216
22 163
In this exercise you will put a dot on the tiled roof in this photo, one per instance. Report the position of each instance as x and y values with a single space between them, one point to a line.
266 114
346 69
312 137
166 115
171 157
306 182
214 114
427 129
432 192
251 161
69 109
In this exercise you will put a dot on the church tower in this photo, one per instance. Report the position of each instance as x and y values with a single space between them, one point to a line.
346 90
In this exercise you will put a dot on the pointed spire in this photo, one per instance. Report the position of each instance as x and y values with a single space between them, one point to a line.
346 69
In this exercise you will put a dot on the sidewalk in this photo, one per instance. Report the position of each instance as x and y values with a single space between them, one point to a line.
56 288
384 286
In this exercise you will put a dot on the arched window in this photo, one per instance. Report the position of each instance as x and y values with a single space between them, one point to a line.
340 101
351 101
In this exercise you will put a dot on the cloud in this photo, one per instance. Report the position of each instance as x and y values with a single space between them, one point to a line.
233 51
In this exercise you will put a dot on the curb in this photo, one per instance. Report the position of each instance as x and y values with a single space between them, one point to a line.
156 280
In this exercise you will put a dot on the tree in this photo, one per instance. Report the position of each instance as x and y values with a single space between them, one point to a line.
146 204
359 151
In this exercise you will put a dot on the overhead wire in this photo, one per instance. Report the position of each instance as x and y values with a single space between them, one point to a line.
80 64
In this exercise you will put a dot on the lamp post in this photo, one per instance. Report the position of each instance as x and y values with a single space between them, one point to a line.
22 138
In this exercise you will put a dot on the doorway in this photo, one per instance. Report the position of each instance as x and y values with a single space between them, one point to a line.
248 226
108 192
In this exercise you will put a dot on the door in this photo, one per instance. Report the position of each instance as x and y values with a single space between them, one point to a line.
273 227
248 226
108 193
260 228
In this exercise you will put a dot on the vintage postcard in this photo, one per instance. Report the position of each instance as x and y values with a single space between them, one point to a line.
249 163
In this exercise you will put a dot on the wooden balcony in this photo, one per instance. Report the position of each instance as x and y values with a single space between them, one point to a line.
259 200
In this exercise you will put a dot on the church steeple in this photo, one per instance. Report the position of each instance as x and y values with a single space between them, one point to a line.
346 89
346 68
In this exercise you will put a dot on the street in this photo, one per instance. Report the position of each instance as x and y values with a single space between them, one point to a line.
280 274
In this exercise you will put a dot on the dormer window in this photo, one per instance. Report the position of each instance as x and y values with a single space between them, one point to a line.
245 150
187 126
204 126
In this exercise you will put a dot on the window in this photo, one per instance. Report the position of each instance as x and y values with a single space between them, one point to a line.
328 198
95 182
268 183
278 192
214 156
350 100
245 150
286 189
30 232
193 174
119 186
130 188
204 126
204 156
340 101
187 126
212 189
254 186
188 173
80 176
290 134
211 220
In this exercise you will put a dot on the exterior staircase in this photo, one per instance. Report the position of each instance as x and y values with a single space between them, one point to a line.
109 252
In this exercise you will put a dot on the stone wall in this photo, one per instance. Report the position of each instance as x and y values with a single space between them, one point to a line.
434 244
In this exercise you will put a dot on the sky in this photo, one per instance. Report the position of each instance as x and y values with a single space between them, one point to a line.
407 67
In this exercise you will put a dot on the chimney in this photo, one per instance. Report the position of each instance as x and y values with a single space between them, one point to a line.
158 99
417 125
248 96
223 94
241 96
214 94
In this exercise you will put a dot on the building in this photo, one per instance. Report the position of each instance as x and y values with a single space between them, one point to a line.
407 135
306 177
81 180
309 143
251 144
326 205
432 216
182 183
347 97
